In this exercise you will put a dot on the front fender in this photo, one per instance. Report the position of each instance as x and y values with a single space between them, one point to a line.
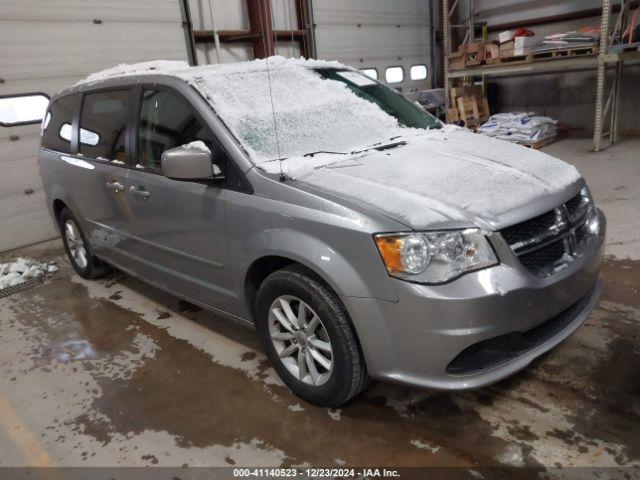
367 279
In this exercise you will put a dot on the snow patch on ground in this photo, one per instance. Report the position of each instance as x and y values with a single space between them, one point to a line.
21 270
334 413
424 446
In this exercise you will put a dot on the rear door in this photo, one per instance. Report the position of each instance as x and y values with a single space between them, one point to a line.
84 155
99 191
177 233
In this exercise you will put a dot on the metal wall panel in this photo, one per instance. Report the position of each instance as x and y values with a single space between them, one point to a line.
46 46
504 11
360 33
376 33
229 15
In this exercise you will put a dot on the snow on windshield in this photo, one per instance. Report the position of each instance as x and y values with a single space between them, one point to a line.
311 114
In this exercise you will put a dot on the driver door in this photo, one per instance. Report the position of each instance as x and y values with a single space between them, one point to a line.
178 229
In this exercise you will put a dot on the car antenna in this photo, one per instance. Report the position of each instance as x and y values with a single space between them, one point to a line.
283 178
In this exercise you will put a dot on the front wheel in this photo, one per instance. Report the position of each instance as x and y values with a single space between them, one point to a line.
308 337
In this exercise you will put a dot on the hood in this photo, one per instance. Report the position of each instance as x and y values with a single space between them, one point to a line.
452 176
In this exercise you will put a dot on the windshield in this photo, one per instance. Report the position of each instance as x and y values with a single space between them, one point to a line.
405 112
286 109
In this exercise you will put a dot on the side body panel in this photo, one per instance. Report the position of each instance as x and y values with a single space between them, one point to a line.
177 237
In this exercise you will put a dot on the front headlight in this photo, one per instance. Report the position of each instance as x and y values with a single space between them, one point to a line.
434 257
593 220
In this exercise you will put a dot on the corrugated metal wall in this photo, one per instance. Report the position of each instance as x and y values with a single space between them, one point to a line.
361 33
376 34
232 15
47 45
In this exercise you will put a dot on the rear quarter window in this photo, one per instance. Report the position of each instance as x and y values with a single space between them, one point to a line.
56 126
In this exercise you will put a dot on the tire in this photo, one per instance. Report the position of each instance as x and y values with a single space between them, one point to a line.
78 248
329 387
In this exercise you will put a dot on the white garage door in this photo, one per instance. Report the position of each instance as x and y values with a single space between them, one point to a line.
390 37
48 45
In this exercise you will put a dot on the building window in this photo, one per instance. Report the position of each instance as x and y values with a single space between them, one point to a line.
394 74
418 72
370 72
23 109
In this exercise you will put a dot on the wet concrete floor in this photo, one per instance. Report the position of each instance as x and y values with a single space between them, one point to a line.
115 372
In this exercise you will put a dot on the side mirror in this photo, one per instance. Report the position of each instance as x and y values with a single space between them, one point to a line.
190 163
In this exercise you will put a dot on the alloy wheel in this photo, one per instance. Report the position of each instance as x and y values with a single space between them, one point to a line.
300 340
76 244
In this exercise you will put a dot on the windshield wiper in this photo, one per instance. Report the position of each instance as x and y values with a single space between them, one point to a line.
380 146
312 154
376 146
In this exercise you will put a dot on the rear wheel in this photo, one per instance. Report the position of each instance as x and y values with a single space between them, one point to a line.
308 337
78 248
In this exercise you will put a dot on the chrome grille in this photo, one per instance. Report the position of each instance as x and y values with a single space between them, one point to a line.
549 242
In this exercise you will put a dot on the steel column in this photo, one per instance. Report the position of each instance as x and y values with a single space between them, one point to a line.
602 71
187 25
447 49
261 28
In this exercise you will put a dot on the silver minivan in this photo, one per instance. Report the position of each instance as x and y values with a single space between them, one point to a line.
360 236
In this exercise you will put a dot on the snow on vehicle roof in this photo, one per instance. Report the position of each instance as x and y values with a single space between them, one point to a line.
181 69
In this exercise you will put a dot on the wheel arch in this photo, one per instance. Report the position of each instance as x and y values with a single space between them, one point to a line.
57 206
264 266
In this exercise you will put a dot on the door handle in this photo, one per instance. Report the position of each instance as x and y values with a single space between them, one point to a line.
139 191
115 186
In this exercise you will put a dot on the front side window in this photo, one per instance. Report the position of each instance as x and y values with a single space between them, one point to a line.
56 126
103 125
166 121
23 109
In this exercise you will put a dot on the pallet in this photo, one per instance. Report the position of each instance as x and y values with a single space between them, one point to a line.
514 60
539 144
625 47
563 53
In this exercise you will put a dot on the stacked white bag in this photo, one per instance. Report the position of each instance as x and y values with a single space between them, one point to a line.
521 127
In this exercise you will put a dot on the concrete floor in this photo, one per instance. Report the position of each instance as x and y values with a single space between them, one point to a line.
115 372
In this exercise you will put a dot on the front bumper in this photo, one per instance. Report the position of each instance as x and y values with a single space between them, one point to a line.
480 328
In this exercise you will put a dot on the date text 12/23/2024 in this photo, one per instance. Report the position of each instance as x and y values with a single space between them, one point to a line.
315 473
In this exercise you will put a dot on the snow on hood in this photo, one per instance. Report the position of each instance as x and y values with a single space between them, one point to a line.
450 174
438 175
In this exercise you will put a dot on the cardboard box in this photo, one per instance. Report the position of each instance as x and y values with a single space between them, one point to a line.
491 53
453 115
506 36
474 54
522 45
456 59
506 49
